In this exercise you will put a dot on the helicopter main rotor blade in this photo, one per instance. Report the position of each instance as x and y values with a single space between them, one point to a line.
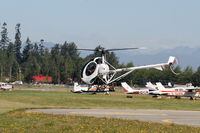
107 50
86 49
116 49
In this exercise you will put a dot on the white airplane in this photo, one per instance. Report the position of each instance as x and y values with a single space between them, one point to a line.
84 89
130 90
151 86
179 91
79 89
5 86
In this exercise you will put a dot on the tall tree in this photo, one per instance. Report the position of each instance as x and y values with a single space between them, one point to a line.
18 43
31 68
11 61
185 76
196 77
41 48
4 37
27 50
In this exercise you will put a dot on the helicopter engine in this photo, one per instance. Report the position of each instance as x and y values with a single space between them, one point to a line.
103 69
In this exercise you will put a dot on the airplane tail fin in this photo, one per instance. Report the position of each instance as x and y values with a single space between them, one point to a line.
126 87
150 86
76 87
160 86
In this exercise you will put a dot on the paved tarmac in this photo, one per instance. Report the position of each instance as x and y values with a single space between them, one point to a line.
190 118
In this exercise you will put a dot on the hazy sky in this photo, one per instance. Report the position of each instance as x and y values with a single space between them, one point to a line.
111 23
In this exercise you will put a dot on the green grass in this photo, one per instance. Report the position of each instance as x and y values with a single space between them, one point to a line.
10 100
19 121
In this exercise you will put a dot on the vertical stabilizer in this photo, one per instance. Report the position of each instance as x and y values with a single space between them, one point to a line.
151 86
76 87
160 86
126 87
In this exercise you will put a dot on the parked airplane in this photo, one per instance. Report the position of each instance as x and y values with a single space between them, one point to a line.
93 89
170 91
5 86
158 90
129 90
151 86
178 92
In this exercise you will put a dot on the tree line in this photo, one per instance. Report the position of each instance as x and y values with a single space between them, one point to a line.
63 61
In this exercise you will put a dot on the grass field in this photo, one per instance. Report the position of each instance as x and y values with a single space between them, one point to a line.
10 100
20 121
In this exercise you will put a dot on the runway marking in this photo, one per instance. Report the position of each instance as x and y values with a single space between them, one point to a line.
167 121
164 114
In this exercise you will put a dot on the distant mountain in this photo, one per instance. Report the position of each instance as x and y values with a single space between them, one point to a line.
187 56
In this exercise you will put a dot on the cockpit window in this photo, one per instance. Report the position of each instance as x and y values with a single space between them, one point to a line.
98 61
90 68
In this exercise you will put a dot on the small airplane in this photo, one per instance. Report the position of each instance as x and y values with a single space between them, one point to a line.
170 91
5 86
129 90
17 83
151 86
177 92
92 89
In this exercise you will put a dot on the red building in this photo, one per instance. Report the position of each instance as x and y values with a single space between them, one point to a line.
41 78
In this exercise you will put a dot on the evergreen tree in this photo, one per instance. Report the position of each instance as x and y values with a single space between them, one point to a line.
41 48
45 62
185 76
4 37
18 43
196 77
31 68
11 61
55 61
27 50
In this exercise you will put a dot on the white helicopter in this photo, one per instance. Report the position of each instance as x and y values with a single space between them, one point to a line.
100 72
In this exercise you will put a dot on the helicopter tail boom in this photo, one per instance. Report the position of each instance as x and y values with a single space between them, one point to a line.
172 60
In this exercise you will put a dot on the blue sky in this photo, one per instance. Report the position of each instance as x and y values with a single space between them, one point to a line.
111 23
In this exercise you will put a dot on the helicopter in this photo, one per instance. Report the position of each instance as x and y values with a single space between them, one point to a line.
98 71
